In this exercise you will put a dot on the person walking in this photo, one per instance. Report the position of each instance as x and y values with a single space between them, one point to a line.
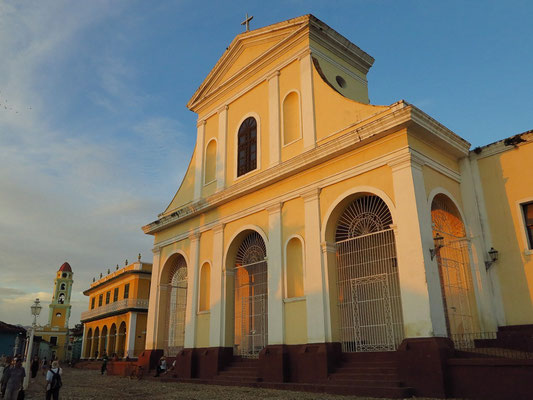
14 378
44 366
53 381
104 363
34 367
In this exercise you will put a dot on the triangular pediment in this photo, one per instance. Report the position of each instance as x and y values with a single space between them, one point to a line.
245 51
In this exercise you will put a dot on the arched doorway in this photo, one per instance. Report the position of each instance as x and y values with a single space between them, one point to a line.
112 339
251 302
121 345
453 258
176 306
368 289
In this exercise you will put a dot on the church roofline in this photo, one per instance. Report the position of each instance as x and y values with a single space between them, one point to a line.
317 30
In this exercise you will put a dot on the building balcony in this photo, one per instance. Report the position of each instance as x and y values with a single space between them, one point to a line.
117 307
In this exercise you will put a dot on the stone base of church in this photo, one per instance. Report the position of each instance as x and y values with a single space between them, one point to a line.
421 363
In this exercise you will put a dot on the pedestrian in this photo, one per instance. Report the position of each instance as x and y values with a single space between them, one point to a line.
34 367
104 363
15 377
44 366
53 381
162 367
3 379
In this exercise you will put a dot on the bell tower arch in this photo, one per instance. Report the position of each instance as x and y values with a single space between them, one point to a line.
60 305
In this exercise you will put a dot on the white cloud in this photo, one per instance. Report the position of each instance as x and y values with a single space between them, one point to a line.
74 189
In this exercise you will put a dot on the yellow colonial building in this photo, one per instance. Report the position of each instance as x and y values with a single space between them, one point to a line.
312 228
56 331
115 323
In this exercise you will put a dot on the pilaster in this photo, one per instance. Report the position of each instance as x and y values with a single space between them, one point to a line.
274 118
217 289
275 277
422 306
192 291
486 284
221 148
315 279
199 164
308 102
153 303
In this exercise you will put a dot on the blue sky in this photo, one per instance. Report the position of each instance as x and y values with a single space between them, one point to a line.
95 135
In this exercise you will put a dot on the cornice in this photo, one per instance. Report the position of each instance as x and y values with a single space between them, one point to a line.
399 115
340 46
87 292
296 193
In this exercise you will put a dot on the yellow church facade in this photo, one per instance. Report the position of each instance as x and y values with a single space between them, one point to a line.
312 224
115 323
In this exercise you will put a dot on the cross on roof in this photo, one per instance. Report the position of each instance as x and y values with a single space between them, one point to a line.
247 22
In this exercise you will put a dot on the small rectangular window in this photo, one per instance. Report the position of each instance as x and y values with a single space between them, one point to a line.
107 297
115 294
527 211
127 290
100 298
92 303
53 340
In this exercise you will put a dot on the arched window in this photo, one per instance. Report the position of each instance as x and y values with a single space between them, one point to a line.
247 146
205 287
210 162
294 269
291 118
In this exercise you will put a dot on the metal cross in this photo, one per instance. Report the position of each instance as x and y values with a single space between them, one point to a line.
247 22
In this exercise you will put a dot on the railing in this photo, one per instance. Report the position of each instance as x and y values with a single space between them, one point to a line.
487 344
115 306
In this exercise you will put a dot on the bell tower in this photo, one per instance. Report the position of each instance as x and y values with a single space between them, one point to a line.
60 305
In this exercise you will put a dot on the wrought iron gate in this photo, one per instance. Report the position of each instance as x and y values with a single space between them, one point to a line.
251 300
373 330
253 326
177 308
369 293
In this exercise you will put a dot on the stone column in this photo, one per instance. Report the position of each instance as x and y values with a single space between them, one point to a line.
130 344
217 290
192 291
308 102
221 147
274 118
199 164
422 306
84 342
153 304
275 276
315 281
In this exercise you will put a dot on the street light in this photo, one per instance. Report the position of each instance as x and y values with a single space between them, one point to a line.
35 311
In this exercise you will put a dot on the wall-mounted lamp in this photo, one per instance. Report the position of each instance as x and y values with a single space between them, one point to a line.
439 244
493 255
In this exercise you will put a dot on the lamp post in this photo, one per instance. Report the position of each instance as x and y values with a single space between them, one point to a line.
35 311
